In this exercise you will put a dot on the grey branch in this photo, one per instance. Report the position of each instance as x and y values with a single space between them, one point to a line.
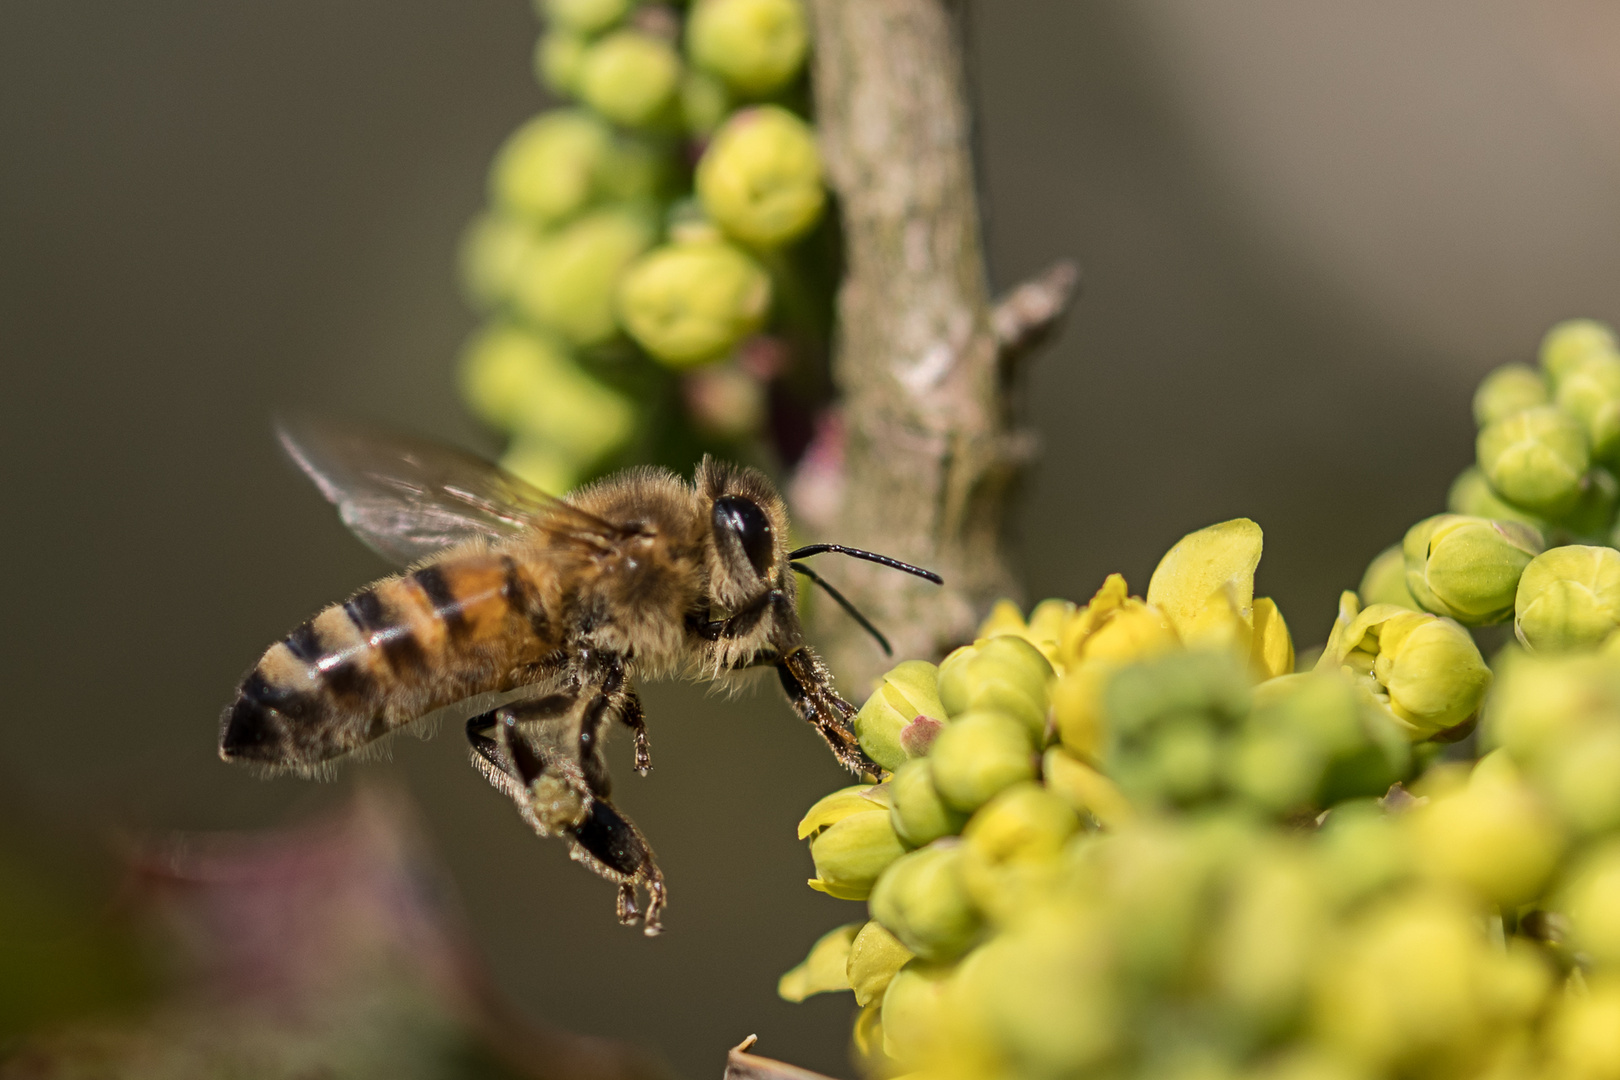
741 1065
1025 319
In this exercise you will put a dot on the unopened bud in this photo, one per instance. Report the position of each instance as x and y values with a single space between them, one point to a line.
1569 599
1590 392
704 102
1592 519
1085 789
571 279
525 382
1011 848
559 57
1572 341
1424 668
548 169
1536 459
1492 835
583 16
824 970
1592 900
494 249
690 304
1472 494
921 901
1005 674
756 46
1509 389
915 1011
1385 579
760 178
907 691
630 77
917 812
979 754
850 854
1468 568
874 957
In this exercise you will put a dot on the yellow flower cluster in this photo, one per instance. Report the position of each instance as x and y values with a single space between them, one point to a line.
1129 840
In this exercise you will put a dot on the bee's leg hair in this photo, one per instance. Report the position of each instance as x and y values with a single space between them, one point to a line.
604 840
631 715
809 689
610 844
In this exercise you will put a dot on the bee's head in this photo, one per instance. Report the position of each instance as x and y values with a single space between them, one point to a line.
748 534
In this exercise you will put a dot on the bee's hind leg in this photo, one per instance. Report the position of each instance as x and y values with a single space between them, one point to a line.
610 844
557 799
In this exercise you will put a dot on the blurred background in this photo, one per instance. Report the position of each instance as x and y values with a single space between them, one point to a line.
1307 229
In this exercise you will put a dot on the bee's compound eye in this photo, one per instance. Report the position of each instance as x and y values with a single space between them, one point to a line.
747 522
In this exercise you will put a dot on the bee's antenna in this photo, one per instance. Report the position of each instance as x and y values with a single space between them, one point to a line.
844 603
870 556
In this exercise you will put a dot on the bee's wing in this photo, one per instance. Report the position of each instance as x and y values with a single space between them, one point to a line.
408 498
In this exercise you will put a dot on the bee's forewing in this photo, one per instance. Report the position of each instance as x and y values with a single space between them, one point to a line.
408 498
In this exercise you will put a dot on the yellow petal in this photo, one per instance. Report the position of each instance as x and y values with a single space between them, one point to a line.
1086 789
1206 579
1273 650
823 969
1085 621
835 807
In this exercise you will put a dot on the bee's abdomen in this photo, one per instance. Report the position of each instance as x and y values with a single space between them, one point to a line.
384 657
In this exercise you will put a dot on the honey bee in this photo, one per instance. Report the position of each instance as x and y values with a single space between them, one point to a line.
561 602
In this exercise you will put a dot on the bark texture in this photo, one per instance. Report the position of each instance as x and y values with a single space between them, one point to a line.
923 357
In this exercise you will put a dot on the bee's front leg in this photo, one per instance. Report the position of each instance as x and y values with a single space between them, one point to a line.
809 688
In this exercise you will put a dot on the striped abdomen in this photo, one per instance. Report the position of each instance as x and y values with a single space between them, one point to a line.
391 653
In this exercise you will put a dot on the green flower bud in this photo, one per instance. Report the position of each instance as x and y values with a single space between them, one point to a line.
1492 835
1362 849
637 170
1204 684
1385 580
569 282
1590 392
1593 516
1085 789
760 179
921 901
493 251
907 691
1582 778
1509 389
1544 704
850 854
1424 668
583 16
1472 494
630 77
559 57
1011 849
1468 568
519 381
918 814
1592 900
1572 341
690 304
1006 674
548 169
1536 459
874 957
756 46
978 755
704 102
1569 598
915 1011
536 460
824 970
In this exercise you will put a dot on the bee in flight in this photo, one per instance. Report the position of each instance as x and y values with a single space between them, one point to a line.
565 601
